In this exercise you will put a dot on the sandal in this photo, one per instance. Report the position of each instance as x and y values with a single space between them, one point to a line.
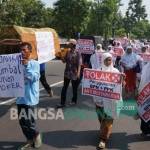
102 144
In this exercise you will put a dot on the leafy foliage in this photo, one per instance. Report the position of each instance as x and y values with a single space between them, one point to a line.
69 17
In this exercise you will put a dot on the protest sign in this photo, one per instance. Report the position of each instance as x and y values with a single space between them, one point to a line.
118 51
137 46
102 84
144 103
145 57
85 46
45 46
11 76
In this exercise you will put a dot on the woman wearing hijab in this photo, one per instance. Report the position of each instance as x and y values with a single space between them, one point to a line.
118 49
105 115
129 61
71 74
95 58
144 50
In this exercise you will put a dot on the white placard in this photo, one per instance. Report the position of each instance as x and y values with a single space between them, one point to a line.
11 76
144 103
102 84
45 46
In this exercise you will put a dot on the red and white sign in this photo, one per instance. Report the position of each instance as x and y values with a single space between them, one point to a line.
102 84
118 51
144 103
85 46
144 94
146 57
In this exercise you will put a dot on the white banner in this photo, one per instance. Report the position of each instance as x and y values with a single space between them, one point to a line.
102 84
144 103
11 76
45 46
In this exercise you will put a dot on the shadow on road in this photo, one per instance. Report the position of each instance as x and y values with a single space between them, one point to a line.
10 145
121 140
70 139
4 109
74 139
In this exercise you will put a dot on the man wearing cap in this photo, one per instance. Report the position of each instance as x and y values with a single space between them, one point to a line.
71 73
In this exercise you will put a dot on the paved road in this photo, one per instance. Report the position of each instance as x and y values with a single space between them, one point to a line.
79 129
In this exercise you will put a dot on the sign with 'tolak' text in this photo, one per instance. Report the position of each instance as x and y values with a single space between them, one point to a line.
143 101
102 84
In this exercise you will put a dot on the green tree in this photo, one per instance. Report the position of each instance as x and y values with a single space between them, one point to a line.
135 13
11 13
104 17
48 17
31 13
34 13
140 30
70 16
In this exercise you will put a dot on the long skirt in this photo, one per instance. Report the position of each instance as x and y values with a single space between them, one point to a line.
106 123
130 80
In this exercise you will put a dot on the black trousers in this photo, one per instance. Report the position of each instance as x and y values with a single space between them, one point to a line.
27 122
44 81
117 62
145 127
75 84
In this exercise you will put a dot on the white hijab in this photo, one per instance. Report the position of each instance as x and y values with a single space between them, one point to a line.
110 106
131 59
119 45
108 68
145 77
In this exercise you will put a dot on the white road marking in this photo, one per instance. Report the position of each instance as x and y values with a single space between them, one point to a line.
13 99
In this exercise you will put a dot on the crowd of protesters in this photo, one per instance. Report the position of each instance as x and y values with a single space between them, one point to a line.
135 70
123 58
117 57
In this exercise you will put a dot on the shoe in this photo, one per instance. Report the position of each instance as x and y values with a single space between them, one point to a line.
51 93
102 144
38 141
60 106
27 146
136 117
145 135
72 103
